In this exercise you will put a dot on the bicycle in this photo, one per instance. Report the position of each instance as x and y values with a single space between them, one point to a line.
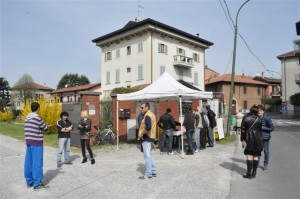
105 136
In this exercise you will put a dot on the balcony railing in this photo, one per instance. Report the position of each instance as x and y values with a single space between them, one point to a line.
183 61
297 79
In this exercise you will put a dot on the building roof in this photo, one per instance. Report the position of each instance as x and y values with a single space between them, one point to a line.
133 25
269 80
77 88
42 87
31 85
294 53
237 79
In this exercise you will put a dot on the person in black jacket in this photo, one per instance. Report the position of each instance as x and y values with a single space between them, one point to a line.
84 126
267 128
212 123
64 127
167 123
251 131
189 125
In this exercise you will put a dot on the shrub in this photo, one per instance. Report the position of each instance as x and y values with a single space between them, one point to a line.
50 110
6 116
295 99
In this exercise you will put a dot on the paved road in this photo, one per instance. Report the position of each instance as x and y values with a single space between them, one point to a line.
282 180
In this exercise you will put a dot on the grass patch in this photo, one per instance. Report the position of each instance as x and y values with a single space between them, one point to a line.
16 130
227 140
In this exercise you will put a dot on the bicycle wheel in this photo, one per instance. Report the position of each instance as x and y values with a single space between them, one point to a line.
96 140
113 138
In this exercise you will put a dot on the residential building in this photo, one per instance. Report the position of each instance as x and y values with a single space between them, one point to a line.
140 52
246 92
274 87
72 94
34 90
209 73
290 70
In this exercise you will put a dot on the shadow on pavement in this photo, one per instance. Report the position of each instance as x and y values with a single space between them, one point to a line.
74 157
233 167
51 174
141 168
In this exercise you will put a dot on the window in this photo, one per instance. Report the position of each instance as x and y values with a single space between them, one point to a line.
162 48
140 72
107 56
128 69
140 47
162 70
128 74
128 50
180 73
180 51
196 82
196 57
258 91
107 77
118 53
245 104
245 90
118 76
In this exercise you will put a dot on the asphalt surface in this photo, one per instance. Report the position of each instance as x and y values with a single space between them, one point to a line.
212 173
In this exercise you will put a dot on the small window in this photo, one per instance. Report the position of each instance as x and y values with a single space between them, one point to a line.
118 76
196 57
258 91
245 90
128 50
162 70
140 72
108 77
108 56
128 69
196 82
180 51
180 73
162 48
140 47
245 104
118 53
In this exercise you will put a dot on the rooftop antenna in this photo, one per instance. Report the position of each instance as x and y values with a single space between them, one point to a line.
137 19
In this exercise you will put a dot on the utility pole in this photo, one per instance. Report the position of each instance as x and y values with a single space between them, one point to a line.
233 70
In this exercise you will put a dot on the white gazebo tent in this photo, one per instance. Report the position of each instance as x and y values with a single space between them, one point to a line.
164 88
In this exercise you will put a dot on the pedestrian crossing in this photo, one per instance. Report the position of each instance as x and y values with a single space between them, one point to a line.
285 122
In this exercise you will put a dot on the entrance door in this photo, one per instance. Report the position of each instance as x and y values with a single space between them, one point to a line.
233 112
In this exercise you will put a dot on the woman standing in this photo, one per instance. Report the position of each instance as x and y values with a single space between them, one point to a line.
251 137
84 126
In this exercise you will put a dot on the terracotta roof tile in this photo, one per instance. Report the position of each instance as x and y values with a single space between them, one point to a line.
237 79
294 53
42 87
76 88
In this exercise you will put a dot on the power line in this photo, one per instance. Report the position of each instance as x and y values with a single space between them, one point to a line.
226 15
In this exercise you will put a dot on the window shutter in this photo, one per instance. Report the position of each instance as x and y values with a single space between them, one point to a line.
159 47
166 49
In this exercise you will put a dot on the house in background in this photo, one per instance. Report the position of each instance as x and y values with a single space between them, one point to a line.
290 70
140 52
274 88
209 73
72 94
246 92
36 90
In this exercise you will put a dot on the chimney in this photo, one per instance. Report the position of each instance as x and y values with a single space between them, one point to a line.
197 34
262 75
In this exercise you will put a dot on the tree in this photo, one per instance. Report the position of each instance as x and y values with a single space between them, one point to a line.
71 80
4 94
295 99
25 87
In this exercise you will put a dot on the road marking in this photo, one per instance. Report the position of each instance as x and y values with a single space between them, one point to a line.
15 156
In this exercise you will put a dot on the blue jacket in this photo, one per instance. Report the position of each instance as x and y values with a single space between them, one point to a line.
267 127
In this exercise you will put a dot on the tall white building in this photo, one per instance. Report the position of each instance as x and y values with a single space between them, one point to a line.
140 52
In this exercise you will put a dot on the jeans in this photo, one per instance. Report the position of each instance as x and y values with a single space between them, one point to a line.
197 138
203 138
148 156
33 167
166 133
63 144
210 136
266 144
189 135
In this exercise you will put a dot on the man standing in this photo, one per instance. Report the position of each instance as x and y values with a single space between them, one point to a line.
205 125
198 128
64 127
147 132
189 124
212 123
267 128
167 123
34 136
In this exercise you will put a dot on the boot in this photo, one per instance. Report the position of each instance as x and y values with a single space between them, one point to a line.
93 161
84 160
255 164
249 168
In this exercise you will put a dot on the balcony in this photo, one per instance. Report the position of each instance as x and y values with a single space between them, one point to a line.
297 79
183 61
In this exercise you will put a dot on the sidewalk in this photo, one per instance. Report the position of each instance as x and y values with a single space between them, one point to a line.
115 174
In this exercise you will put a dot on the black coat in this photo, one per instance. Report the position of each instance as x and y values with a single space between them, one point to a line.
252 135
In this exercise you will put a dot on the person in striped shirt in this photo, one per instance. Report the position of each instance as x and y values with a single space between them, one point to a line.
34 136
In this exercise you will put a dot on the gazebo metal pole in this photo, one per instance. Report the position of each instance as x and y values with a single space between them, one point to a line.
180 102
117 125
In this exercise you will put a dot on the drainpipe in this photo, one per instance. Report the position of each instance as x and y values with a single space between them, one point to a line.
151 57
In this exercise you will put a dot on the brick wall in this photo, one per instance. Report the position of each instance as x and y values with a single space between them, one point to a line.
89 99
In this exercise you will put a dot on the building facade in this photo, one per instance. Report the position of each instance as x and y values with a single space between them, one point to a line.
140 52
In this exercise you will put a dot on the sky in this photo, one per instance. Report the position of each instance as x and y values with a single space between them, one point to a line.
49 38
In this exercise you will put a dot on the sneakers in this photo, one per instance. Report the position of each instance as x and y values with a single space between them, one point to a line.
68 162
265 168
144 177
197 151
93 161
59 164
41 186
154 175
30 185
161 153
171 153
